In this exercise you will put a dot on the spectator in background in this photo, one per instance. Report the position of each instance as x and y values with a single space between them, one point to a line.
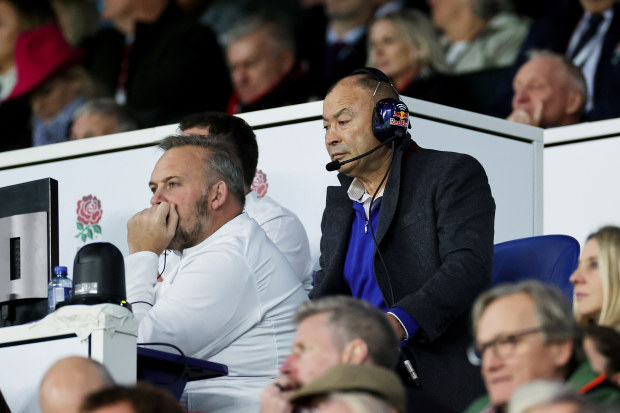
597 280
602 346
525 332
332 39
99 117
154 54
16 16
264 68
478 34
588 33
221 15
49 72
281 225
143 398
69 381
404 46
549 91
79 19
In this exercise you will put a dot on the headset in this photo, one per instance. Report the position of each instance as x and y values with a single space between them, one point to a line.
390 117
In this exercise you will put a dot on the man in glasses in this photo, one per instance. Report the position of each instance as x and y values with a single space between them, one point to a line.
525 332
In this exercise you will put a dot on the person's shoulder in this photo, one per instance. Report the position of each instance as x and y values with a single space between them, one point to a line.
594 386
444 158
508 23
264 208
478 405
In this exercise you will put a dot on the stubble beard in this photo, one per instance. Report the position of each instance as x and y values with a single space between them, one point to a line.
189 237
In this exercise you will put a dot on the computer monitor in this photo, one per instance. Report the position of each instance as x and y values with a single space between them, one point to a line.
28 249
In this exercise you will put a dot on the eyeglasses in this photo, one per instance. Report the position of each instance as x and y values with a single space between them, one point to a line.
503 346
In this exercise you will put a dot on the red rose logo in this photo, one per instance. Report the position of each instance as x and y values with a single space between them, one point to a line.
89 210
88 216
259 183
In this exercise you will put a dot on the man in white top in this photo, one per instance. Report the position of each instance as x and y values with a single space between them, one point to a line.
231 297
281 225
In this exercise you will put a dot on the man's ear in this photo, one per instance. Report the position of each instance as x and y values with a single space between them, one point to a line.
574 102
218 194
562 351
355 352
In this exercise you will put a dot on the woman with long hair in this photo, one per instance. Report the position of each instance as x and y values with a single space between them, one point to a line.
597 280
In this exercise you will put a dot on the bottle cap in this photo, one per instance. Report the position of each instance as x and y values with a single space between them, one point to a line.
58 270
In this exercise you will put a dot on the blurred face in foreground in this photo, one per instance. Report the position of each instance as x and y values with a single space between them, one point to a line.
513 348
313 351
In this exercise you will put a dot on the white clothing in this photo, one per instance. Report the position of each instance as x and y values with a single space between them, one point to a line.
286 231
231 300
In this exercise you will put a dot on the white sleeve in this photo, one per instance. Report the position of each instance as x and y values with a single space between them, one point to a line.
141 281
211 302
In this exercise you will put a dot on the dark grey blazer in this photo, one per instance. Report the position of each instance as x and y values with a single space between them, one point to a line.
435 234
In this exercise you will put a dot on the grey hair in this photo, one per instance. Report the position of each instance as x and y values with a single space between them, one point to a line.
359 402
279 30
417 28
542 393
575 77
125 119
221 160
350 319
487 9
536 393
377 89
552 309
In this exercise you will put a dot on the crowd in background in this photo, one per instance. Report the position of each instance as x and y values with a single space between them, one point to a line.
156 61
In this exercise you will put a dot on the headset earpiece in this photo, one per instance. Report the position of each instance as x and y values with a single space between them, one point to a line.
390 117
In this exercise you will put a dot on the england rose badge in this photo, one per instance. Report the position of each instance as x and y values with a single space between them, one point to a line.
88 216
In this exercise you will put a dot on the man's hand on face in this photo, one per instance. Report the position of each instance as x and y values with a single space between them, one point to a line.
522 116
275 396
152 229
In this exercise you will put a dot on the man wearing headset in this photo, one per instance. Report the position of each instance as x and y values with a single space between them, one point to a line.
409 229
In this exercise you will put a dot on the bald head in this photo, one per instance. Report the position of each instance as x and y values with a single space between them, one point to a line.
69 381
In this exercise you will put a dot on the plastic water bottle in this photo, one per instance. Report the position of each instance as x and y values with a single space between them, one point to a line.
59 289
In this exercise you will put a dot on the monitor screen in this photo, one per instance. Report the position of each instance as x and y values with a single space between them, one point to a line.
28 249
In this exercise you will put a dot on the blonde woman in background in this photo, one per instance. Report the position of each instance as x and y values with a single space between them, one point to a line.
597 280
405 47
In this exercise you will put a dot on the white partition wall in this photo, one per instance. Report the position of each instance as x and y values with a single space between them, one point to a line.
581 178
116 169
